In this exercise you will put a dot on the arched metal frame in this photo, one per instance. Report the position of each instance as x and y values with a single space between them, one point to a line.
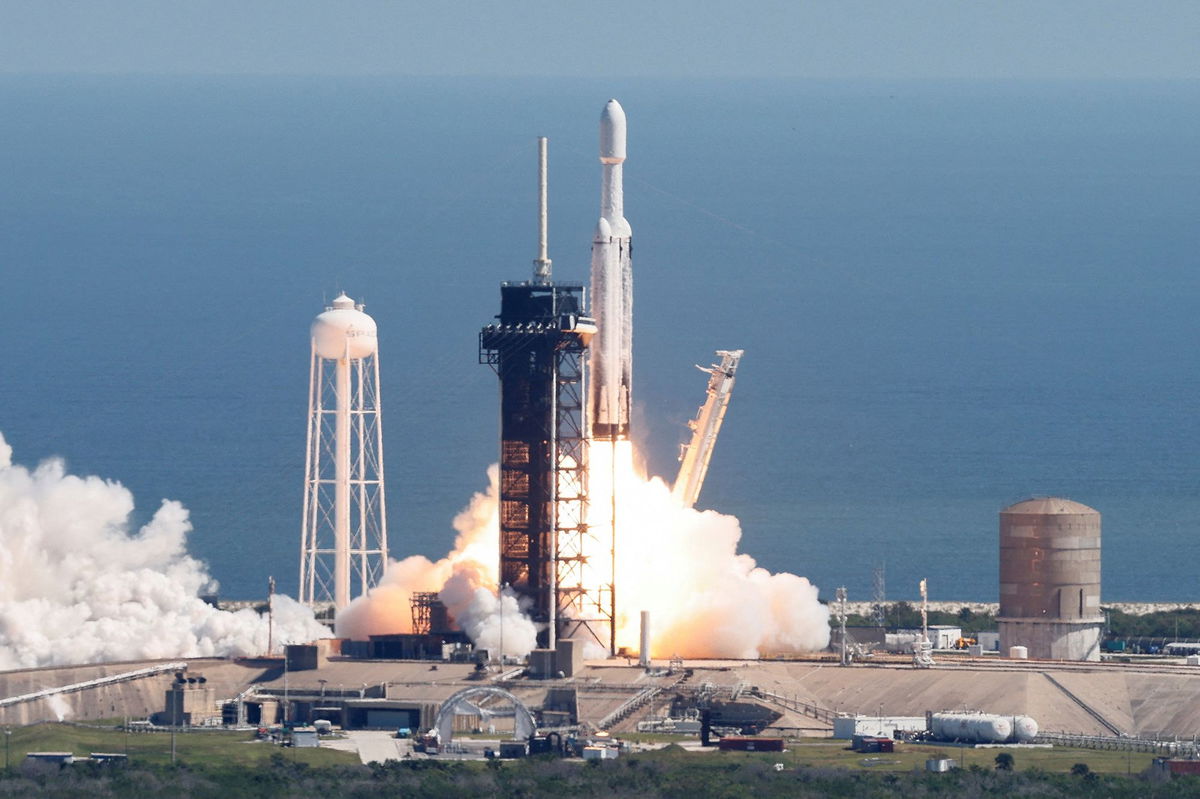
523 723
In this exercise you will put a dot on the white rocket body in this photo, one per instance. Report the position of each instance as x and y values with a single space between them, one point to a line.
612 289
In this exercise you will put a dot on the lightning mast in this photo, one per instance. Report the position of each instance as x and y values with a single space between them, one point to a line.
343 547
923 649
695 456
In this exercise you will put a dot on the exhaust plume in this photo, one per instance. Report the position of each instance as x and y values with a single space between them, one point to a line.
465 581
76 586
682 565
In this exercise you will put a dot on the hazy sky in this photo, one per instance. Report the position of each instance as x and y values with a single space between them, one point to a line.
603 38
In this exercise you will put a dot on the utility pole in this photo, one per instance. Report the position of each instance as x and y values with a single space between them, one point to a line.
500 596
270 614
841 616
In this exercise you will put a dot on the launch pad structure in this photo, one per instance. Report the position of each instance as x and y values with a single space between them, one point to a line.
537 348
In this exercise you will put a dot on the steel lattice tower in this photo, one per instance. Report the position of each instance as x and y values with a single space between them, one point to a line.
343 548
537 348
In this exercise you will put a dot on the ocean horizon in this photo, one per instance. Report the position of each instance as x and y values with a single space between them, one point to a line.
952 296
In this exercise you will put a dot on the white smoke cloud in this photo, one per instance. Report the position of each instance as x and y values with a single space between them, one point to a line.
466 581
58 706
682 565
492 622
705 598
77 587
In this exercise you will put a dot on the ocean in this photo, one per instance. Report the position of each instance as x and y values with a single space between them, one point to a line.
951 296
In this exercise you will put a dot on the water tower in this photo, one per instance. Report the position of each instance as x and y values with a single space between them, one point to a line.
343 547
1050 579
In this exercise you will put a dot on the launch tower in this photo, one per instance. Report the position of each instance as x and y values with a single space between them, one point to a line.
537 348
343 547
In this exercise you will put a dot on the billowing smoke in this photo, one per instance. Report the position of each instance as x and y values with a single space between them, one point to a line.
682 565
58 706
705 599
465 581
76 586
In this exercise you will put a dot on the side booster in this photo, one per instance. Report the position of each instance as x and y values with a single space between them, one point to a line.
612 289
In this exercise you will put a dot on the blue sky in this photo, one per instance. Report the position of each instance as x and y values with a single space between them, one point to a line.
670 38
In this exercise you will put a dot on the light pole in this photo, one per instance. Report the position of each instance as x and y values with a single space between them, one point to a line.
7 739
286 698
500 598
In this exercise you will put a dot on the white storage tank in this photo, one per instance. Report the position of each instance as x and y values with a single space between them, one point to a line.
1018 653
982 727
979 727
1025 729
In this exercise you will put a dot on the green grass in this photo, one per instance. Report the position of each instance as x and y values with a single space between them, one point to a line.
221 748
212 748
824 752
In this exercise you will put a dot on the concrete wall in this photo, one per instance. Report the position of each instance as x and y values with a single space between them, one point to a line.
1051 640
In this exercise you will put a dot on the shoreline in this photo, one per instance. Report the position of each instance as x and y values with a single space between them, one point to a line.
1132 608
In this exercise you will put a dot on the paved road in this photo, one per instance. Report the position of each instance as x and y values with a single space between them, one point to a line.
373 746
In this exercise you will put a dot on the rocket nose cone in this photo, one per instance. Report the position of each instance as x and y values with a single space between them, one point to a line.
612 133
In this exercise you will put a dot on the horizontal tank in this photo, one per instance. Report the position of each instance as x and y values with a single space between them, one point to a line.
1025 729
977 727
983 728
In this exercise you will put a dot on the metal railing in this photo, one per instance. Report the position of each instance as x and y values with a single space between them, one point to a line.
88 684
633 703
817 712
1190 749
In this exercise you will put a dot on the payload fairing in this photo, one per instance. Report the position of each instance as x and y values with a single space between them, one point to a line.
612 289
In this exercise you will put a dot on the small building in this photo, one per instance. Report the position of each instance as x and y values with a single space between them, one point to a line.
305 738
305 657
409 646
389 713
846 727
513 749
568 657
1176 767
39 763
750 743
189 701
600 753
110 758
944 636
541 664
872 743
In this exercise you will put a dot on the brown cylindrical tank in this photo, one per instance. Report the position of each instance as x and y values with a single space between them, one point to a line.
1050 561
